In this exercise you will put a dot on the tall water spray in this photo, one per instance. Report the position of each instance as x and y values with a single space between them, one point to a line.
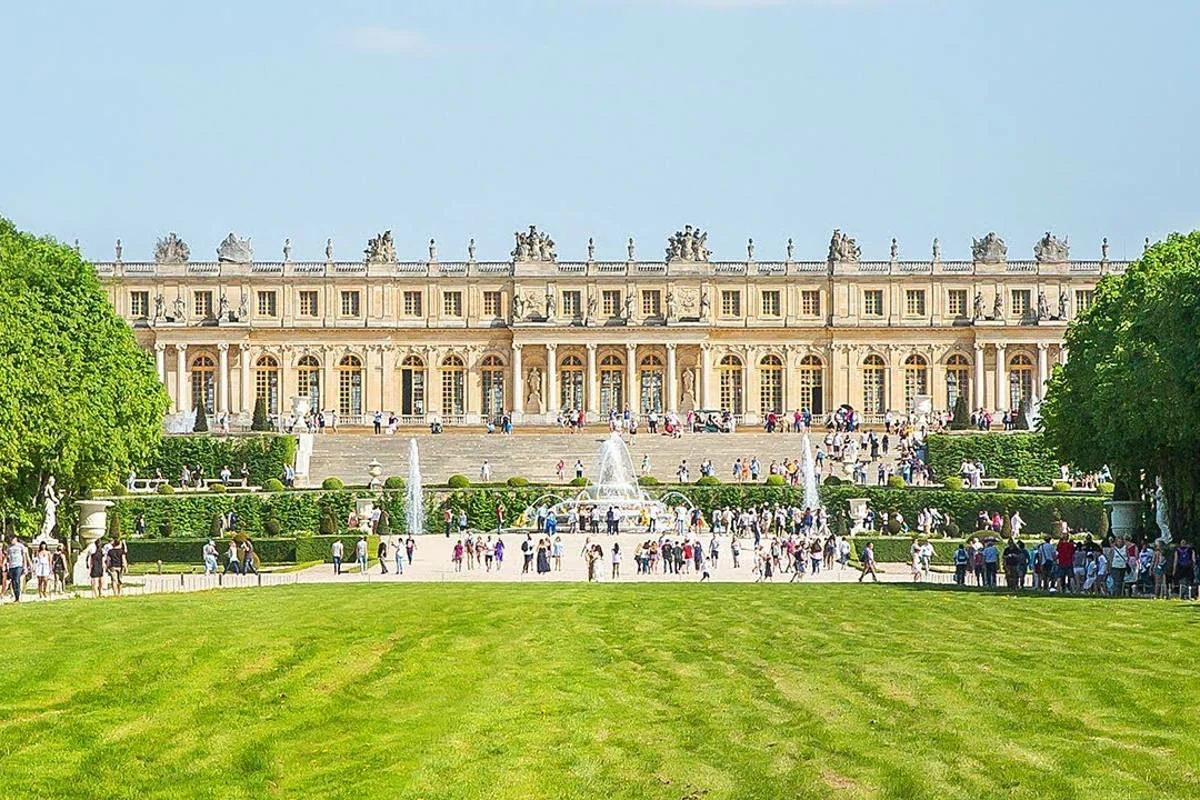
615 478
812 499
415 507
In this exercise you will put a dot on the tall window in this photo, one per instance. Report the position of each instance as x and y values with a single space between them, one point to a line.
610 302
572 304
308 381
874 385
1020 381
1083 299
914 302
770 385
266 383
351 303
916 380
812 387
873 302
958 377
308 302
651 384
452 305
730 381
612 384
268 305
453 386
731 303
651 303
203 305
139 304
1020 303
412 386
350 386
810 302
770 303
493 306
956 303
570 381
413 305
491 375
203 371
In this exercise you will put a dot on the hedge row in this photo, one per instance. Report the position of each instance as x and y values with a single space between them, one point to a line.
290 550
263 454
1024 456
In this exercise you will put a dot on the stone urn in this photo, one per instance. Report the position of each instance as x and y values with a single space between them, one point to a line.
858 514
93 524
1125 517
375 469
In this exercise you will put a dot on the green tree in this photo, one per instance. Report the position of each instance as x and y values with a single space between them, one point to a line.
962 415
260 421
79 399
1129 396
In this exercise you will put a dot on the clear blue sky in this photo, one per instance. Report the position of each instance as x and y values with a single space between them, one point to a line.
609 118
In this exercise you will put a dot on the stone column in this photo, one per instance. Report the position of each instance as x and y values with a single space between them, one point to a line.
706 380
672 388
244 369
551 379
1001 381
518 390
183 394
631 389
1043 369
328 390
978 395
593 383
223 377
160 362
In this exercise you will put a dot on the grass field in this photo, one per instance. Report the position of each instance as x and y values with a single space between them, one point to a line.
612 691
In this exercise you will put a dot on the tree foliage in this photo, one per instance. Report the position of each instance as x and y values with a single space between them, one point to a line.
1129 395
78 398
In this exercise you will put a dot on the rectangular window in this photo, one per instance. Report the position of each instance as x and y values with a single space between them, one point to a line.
956 303
412 304
810 302
770 303
914 302
1020 302
572 304
203 305
493 306
451 304
873 303
139 305
731 303
1083 299
610 302
267 306
651 303
308 302
351 303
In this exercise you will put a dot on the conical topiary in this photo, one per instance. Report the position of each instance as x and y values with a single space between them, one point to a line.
201 425
260 421
962 415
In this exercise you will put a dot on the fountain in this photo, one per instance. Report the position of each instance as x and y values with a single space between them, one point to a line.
812 497
414 509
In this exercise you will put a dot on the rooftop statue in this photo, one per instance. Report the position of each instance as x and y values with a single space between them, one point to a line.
381 249
171 250
533 246
991 249
234 250
1049 250
843 248
688 245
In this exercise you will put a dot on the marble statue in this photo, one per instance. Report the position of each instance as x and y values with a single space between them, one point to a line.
591 305
591 249
628 306
329 249
234 250
978 305
287 250
1043 306
471 249
1050 250
381 249
180 308
76 245
223 307
533 246
895 249
689 381
1146 244
998 305
518 304
171 250
791 248
750 249
688 245
119 249
704 304
629 249
534 404
551 305
1161 515
937 250
1062 304
991 249
688 402
672 305
1104 249
244 307
843 248
432 250
159 306
50 502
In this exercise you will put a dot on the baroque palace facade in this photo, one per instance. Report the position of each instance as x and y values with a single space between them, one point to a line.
534 335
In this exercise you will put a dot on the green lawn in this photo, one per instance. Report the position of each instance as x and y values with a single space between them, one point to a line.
575 690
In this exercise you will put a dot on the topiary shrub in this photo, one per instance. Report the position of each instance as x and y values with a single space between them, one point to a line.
118 490
952 530
708 480
458 482
578 482
332 484
114 523
384 526
516 481
201 425
833 480
216 526
165 488
649 480
896 482
953 483
1007 484
776 480
893 526
218 488
273 527
327 524
260 421
962 415
393 482
273 485
1061 486
165 528
1105 489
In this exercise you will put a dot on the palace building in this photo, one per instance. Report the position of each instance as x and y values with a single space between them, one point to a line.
468 340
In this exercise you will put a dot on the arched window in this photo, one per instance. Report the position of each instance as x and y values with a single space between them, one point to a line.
612 384
203 383
491 376
454 401
812 385
958 380
412 386
651 384
308 381
266 383
916 380
770 385
729 371
1020 380
874 385
350 387
570 381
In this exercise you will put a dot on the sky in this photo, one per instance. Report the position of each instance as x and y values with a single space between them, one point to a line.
451 119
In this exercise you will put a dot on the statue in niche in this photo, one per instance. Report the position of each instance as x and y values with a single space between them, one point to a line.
688 403
998 305
533 404
978 305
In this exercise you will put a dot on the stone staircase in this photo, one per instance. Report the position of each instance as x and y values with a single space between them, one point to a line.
535 454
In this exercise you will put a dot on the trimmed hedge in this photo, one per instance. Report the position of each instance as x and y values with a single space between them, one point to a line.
1024 456
899 548
393 482
263 454
286 550
332 484
458 481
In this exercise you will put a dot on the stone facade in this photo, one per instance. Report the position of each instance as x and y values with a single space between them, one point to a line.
537 335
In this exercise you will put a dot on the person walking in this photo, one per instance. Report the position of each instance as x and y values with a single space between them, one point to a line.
337 551
117 563
248 560
360 554
381 553
95 562
868 563
399 555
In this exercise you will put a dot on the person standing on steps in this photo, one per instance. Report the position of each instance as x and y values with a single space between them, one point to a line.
868 563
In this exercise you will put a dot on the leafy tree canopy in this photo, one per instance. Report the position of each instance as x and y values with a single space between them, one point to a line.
1129 395
78 398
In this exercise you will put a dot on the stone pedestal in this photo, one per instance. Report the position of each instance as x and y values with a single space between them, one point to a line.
1124 517
93 524
858 513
